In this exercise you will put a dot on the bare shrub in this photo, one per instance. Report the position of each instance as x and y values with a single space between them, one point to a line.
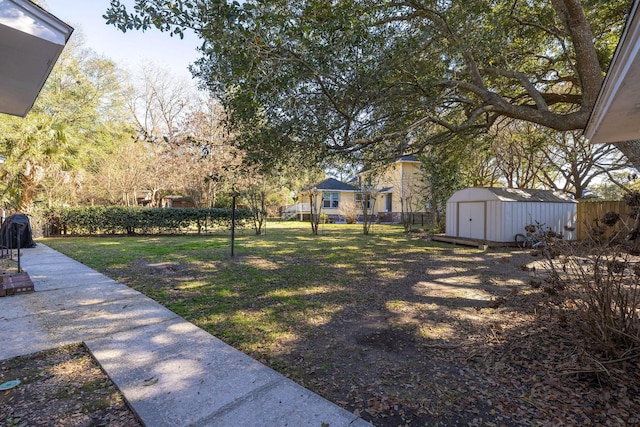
600 284
611 218
349 211
604 289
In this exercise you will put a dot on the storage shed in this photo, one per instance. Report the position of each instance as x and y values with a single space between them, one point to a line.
498 214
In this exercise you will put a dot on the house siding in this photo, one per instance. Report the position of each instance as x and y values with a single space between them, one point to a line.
404 179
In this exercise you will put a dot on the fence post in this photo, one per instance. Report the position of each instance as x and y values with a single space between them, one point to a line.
233 222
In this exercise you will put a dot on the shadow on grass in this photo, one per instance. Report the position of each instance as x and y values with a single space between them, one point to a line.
393 328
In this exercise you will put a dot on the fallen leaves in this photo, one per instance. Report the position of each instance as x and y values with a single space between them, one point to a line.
61 387
410 333
150 381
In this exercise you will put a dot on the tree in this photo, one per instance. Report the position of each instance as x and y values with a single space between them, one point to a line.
290 176
119 171
519 152
366 197
443 177
159 105
315 206
48 151
209 158
478 167
577 163
361 73
618 184
256 195
463 162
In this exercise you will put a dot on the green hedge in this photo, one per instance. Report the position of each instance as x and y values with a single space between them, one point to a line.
139 220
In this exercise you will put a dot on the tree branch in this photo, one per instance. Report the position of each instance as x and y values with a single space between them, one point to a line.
524 80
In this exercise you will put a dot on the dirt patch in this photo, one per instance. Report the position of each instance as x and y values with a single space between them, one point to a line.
386 339
459 340
61 387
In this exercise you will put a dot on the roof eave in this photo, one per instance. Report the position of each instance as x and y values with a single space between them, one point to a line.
616 114
32 41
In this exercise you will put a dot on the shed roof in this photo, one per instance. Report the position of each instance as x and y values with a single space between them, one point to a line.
510 195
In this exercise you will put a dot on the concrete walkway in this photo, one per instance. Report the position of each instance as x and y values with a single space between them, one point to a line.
171 372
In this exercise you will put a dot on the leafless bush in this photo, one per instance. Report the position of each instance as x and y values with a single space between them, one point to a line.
610 218
632 198
349 211
601 283
604 289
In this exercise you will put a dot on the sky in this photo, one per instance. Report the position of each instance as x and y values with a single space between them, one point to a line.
131 49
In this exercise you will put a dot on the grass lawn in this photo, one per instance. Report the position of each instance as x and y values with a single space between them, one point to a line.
277 288
395 328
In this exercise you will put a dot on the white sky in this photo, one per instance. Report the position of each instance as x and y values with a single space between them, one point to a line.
131 49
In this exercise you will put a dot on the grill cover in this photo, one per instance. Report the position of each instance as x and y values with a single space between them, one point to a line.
16 228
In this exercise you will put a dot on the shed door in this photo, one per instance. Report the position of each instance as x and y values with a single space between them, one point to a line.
471 220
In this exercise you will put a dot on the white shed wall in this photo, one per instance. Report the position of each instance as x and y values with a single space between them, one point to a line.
503 220
495 215
451 219
553 215
486 230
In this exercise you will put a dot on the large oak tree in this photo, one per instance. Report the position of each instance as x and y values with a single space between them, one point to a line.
390 74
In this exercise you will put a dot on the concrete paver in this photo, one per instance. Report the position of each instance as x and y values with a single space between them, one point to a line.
171 372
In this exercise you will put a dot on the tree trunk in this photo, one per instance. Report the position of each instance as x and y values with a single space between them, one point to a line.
571 13
314 212
27 194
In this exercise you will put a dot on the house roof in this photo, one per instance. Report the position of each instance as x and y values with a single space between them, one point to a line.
332 184
510 195
616 114
31 40
408 158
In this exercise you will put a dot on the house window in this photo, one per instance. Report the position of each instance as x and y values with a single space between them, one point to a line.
330 200
389 203
360 197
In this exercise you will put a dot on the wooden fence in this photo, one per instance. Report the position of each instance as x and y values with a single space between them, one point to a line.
589 211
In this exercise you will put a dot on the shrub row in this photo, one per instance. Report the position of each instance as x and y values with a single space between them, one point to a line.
138 220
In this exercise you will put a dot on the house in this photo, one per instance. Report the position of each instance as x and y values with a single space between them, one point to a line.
616 115
32 40
328 195
177 202
498 214
401 188
387 191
